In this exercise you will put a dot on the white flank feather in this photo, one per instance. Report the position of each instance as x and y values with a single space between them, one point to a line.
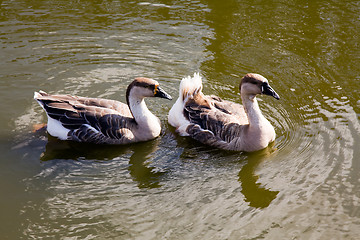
56 129
189 86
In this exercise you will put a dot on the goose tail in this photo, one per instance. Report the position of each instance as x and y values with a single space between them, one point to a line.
38 96
190 87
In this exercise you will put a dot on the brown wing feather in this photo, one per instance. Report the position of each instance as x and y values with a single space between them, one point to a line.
106 103
234 109
213 119
91 119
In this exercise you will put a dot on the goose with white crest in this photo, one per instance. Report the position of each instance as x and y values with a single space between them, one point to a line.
104 121
220 123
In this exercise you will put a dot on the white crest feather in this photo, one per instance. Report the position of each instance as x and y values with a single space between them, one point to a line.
190 86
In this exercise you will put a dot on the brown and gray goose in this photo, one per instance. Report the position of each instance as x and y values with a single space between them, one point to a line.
103 121
220 123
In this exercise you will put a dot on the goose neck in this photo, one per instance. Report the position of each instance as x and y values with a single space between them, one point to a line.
252 110
139 109
148 125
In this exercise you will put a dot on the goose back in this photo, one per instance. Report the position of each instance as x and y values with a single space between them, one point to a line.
92 120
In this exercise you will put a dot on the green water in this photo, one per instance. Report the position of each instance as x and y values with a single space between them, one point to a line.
304 186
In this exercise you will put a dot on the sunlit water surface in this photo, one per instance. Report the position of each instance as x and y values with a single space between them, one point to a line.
304 186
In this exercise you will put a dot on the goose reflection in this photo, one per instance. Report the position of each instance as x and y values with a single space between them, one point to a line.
256 195
68 150
139 167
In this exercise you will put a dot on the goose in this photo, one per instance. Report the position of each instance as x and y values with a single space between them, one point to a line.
104 121
220 123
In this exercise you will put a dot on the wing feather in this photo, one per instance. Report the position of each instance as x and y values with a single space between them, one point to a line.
212 119
90 119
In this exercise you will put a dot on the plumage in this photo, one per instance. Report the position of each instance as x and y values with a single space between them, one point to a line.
103 121
220 123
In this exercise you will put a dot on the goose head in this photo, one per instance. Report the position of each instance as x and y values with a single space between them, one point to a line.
253 84
145 87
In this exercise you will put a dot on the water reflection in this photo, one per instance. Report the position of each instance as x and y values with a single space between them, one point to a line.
139 167
57 149
256 195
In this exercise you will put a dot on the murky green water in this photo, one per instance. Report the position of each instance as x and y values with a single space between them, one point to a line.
305 186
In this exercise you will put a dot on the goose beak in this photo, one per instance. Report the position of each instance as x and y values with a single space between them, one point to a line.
267 90
158 92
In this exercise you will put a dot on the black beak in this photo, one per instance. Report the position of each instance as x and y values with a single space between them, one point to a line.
158 92
267 90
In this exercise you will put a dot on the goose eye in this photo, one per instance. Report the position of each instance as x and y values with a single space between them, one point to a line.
263 86
156 89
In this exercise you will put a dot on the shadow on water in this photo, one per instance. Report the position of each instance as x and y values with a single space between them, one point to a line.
139 167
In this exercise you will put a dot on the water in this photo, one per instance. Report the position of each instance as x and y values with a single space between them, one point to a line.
304 186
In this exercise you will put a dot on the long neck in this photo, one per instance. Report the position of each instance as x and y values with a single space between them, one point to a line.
148 124
260 132
255 117
139 109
